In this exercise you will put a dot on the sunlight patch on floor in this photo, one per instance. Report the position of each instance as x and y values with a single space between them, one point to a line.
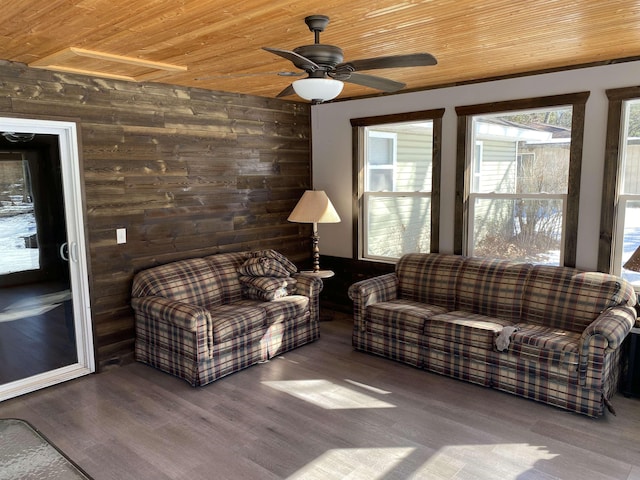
328 395
504 461
367 387
339 463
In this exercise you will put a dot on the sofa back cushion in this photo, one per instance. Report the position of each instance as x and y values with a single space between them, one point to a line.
205 282
491 287
570 299
429 278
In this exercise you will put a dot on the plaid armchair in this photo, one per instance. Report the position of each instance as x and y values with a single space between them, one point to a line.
551 334
195 318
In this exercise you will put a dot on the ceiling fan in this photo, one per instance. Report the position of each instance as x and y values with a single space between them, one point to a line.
326 68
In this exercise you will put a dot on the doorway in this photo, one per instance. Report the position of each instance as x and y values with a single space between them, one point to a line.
45 321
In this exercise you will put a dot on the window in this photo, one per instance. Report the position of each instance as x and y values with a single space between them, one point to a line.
397 184
620 217
521 179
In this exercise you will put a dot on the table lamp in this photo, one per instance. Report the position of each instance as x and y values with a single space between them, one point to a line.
314 207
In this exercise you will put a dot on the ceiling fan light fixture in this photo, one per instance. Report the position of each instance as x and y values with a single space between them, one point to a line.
318 89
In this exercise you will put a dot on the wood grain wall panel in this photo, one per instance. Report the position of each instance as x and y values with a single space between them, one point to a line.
187 172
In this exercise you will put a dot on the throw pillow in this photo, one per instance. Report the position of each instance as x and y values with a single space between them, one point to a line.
263 267
266 284
288 264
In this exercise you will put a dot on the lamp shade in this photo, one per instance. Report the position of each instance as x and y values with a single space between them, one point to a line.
314 207
321 89
634 261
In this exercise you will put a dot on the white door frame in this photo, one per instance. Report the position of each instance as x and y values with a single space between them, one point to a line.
72 186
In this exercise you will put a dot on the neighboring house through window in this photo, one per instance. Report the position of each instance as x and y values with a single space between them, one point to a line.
397 177
518 188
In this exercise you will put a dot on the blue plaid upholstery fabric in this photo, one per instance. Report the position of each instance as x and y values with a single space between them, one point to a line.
429 279
491 287
367 292
444 312
193 321
466 328
569 299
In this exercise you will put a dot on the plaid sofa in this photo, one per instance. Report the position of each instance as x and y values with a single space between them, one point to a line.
445 313
194 319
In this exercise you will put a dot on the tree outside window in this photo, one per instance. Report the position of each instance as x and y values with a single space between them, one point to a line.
517 203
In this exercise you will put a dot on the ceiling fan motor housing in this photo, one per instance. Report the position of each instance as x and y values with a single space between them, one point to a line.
323 55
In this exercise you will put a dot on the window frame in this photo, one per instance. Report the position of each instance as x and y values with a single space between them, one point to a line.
463 164
611 218
359 193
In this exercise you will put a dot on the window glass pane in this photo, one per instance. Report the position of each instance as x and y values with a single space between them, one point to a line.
631 149
631 240
518 229
410 159
522 152
18 240
380 180
396 225
380 151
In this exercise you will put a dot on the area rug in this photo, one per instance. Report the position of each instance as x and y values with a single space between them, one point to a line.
27 454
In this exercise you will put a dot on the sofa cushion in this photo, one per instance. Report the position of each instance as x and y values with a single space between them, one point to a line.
546 345
233 320
225 266
466 328
491 287
401 315
287 308
569 299
191 281
429 278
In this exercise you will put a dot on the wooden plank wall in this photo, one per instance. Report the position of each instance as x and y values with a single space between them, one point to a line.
187 172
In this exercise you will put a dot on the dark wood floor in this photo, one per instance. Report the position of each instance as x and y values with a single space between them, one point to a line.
324 411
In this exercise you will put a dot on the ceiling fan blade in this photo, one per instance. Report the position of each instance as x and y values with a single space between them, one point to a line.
298 60
393 61
378 83
256 74
286 92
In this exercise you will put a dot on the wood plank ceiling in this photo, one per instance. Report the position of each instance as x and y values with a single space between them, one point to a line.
216 44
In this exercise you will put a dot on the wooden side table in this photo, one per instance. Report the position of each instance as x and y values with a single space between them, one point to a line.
631 381
319 273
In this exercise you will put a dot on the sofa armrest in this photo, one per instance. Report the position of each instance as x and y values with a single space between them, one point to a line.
310 286
612 326
598 345
182 315
372 290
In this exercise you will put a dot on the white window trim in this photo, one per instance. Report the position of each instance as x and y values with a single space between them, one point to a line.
477 165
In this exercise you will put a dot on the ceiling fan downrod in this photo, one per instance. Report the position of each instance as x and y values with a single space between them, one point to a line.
317 24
